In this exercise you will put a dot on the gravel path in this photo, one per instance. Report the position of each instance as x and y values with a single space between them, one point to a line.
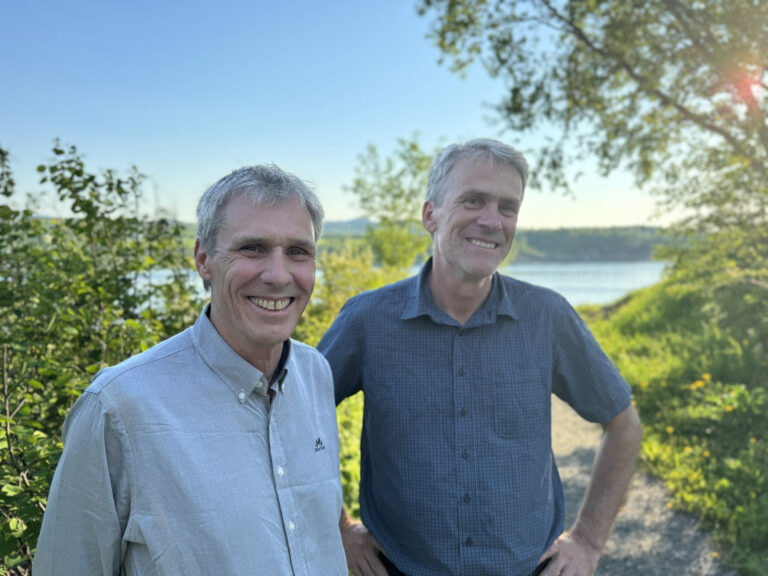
648 539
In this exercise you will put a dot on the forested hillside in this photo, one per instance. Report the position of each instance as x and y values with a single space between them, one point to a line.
609 244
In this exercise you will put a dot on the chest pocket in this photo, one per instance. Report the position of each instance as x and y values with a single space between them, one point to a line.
521 405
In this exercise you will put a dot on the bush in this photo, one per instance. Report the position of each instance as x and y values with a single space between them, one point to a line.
694 356
76 294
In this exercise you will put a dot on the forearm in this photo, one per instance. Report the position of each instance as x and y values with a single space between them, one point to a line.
612 472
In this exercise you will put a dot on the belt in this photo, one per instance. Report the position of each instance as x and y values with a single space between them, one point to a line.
392 570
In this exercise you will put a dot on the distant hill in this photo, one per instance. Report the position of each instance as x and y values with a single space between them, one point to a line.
354 227
615 244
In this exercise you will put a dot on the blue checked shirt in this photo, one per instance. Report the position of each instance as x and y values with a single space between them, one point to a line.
457 470
175 463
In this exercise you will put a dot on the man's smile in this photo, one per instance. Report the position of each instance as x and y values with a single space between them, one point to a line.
483 244
271 304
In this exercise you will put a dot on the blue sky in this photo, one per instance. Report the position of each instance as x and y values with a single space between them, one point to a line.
188 91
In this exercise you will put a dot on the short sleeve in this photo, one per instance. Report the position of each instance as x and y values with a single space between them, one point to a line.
342 347
584 376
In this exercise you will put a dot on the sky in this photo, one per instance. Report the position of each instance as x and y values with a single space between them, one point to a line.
189 91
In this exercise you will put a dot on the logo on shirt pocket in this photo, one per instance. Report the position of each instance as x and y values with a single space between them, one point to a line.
319 445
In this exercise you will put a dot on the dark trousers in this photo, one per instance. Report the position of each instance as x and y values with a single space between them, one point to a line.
393 571
391 568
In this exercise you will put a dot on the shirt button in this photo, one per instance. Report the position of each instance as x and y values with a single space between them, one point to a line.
291 526
280 471
468 542
465 454
463 411
461 372
467 498
241 396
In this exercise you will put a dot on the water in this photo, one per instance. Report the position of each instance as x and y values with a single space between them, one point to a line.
579 282
589 282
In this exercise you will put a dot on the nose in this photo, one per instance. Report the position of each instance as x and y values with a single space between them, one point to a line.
490 217
276 269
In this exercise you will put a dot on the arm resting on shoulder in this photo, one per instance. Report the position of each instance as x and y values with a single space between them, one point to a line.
614 465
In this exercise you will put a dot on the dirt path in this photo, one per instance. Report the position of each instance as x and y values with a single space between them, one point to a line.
648 539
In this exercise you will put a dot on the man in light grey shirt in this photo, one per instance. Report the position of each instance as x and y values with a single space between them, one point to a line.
216 451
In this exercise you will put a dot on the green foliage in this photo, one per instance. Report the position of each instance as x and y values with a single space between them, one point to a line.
392 192
699 381
640 84
76 294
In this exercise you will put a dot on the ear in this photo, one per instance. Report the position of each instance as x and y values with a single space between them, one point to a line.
201 261
428 217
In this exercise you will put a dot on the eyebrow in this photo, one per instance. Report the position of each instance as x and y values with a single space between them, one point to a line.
296 242
516 202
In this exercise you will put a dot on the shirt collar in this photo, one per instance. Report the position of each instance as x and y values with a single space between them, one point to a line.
241 377
421 303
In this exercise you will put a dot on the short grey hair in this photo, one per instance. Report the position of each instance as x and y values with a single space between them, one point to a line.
471 151
263 184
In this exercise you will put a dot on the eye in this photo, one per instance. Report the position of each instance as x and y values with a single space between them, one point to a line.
298 253
473 201
509 208
252 249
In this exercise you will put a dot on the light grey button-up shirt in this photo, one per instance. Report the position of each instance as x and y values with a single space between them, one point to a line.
175 463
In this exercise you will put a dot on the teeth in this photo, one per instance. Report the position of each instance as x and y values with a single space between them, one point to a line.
271 304
482 244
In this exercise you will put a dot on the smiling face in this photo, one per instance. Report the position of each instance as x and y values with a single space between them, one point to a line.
262 273
473 228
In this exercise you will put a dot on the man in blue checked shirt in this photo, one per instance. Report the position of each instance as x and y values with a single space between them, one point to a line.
215 452
458 365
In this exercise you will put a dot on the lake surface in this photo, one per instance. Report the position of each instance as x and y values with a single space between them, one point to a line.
589 282
579 282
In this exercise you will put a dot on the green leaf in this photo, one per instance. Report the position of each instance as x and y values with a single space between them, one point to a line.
12 489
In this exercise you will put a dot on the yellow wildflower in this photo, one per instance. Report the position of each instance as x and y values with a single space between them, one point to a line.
644 384
715 555
670 429
663 383
729 408
752 440
687 449
706 454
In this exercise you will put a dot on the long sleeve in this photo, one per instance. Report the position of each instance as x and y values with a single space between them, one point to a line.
89 499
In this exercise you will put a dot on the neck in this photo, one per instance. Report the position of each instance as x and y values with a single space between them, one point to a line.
267 361
458 297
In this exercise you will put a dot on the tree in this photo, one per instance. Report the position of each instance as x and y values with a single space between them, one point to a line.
392 192
76 294
672 90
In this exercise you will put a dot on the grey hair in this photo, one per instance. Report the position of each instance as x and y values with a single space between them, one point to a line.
263 184
471 151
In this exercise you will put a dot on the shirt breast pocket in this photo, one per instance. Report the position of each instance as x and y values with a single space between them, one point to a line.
521 405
